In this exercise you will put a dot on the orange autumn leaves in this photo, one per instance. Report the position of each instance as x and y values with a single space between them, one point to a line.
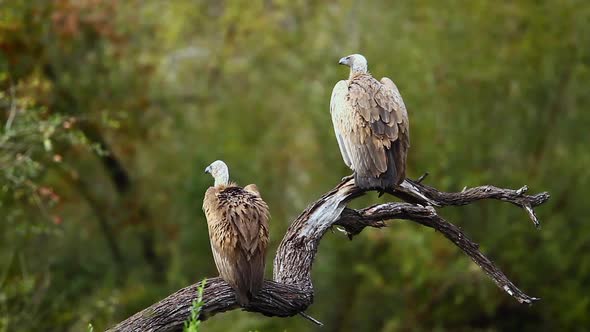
70 18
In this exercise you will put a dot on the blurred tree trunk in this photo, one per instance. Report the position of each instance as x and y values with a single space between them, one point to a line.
121 179
124 186
103 221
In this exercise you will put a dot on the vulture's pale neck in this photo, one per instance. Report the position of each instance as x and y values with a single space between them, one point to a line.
222 176
358 68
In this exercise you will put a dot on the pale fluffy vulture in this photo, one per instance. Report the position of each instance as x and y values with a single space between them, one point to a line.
371 125
237 219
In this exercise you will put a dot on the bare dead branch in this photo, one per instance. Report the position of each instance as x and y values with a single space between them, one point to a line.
354 221
291 290
467 196
169 314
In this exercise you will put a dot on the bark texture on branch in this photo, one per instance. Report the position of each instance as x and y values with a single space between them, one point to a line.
291 290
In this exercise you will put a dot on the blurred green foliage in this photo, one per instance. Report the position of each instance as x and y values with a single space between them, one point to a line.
111 110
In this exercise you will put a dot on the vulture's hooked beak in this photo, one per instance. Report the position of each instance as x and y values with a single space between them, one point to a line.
208 169
343 61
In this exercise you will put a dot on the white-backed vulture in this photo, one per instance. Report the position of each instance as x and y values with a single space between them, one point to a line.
237 219
371 125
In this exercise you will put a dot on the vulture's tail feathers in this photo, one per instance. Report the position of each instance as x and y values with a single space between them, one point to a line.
388 180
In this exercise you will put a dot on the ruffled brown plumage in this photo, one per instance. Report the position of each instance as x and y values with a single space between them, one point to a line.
237 219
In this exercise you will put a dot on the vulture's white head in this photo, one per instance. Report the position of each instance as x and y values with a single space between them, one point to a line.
356 62
218 169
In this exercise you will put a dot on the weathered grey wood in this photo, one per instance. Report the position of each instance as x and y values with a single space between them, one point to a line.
291 290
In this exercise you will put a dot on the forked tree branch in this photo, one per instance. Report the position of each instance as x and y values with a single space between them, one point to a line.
291 290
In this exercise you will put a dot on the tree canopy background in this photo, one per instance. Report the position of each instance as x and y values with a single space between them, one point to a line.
112 109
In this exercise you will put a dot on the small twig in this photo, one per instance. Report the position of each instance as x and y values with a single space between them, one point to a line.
348 177
532 215
311 319
522 190
422 177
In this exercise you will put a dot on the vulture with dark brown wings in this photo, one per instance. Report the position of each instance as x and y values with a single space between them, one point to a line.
237 219
371 125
